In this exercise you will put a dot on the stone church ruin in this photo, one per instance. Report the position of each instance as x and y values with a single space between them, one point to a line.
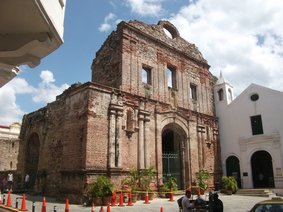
149 104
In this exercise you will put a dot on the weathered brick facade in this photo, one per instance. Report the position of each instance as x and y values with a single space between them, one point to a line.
127 117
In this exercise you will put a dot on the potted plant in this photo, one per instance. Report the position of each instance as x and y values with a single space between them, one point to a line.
230 184
133 182
100 191
202 176
169 183
146 178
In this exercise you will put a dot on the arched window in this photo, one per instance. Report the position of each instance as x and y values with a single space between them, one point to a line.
220 94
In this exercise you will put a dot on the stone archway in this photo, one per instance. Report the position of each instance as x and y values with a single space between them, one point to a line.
172 153
233 168
32 158
262 170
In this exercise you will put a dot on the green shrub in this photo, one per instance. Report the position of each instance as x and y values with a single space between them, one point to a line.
230 183
102 187
202 177
170 182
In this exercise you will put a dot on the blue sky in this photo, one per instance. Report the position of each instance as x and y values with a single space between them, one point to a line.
243 40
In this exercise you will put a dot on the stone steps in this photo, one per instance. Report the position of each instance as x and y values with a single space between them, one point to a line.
264 192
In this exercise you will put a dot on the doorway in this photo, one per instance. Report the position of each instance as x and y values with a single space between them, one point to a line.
262 170
172 155
233 168
32 157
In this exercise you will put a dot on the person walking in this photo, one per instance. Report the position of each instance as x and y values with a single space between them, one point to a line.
26 186
10 181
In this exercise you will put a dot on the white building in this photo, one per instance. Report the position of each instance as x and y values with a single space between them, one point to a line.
29 30
10 132
251 129
9 146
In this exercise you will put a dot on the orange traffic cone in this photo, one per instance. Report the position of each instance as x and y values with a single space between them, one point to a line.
161 209
24 206
101 209
171 195
108 207
130 203
43 208
9 201
113 199
1 197
92 208
67 205
121 202
146 198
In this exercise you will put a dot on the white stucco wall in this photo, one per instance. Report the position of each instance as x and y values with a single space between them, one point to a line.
56 13
236 132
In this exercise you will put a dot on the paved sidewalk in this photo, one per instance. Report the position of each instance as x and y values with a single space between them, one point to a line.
233 203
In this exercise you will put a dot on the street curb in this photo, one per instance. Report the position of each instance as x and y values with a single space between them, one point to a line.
9 208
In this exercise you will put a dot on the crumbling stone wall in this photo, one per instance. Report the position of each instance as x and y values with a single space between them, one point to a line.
116 122
136 44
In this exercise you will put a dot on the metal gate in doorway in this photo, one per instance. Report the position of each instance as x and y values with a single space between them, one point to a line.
171 167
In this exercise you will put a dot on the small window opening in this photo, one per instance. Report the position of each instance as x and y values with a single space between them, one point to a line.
146 75
193 92
171 77
166 31
256 123
220 94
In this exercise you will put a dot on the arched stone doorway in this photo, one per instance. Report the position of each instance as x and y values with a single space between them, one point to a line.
233 168
32 157
262 170
172 153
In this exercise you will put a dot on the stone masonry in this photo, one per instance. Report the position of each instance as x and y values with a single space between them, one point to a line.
151 94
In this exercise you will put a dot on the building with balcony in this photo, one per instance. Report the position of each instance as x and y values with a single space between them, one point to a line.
29 31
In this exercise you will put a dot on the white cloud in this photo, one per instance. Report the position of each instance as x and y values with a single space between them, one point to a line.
151 8
47 77
244 40
45 92
108 24
9 111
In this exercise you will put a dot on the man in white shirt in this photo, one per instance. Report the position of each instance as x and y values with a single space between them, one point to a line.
10 181
186 204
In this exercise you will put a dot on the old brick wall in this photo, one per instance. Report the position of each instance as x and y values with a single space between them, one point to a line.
148 45
61 129
106 67
116 122
9 149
